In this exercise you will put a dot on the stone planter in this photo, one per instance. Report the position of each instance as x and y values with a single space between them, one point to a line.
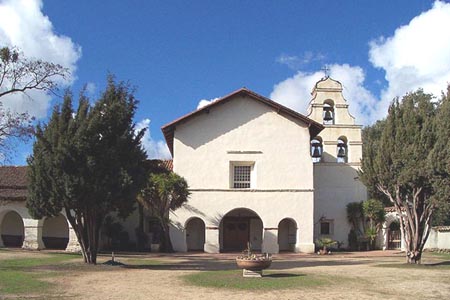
253 267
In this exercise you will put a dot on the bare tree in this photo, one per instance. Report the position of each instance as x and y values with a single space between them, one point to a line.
19 74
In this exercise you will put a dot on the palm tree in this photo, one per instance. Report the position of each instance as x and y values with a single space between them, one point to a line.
355 216
163 193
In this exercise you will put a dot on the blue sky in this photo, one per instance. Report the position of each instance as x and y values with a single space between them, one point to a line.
179 52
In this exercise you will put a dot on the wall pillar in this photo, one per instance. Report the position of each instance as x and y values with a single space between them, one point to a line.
270 240
384 237
1 242
212 244
32 234
73 245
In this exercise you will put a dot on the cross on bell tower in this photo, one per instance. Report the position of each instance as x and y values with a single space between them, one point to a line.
326 70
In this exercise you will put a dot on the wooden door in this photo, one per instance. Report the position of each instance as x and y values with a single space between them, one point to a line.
236 233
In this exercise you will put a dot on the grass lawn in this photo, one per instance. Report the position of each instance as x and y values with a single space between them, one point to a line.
271 280
50 275
441 265
21 276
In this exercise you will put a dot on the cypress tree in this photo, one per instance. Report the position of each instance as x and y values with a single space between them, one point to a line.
440 161
401 169
89 163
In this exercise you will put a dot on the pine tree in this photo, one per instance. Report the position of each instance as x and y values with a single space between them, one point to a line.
89 163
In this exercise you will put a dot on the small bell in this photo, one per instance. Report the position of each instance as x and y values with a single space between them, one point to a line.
316 151
341 151
328 116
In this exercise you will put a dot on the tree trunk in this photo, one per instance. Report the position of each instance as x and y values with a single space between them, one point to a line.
415 220
166 243
87 231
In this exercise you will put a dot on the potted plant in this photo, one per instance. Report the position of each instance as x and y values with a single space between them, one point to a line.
324 243
253 262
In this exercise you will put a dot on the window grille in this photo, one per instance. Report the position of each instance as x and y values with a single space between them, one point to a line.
241 179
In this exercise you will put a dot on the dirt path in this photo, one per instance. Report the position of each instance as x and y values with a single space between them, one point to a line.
363 280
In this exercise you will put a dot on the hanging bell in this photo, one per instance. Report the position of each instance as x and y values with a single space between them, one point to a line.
328 116
316 151
341 151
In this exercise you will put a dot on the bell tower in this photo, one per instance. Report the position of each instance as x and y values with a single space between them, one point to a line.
336 153
340 141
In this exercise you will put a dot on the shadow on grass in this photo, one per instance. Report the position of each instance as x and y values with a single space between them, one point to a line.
208 264
283 275
427 266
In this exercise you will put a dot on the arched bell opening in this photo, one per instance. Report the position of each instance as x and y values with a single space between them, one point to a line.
316 149
342 150
328 112
239 228
195 234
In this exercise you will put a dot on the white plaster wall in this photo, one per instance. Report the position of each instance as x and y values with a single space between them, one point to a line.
438 239
336 185
282 158
444 240
271 207
256 234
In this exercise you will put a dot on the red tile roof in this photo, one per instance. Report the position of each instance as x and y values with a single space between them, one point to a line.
442 228
13 183
168 164
391 209
169 129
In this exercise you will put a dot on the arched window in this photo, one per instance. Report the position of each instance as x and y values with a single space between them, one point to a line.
342 150
328 112
316 149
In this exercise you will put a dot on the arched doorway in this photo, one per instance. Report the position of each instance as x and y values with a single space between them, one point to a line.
195 234
287 235
240 227
55 232
12 229
394 236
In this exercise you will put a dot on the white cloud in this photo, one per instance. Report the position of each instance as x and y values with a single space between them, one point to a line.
205 102
416 56
295 62
91 88
295 92
154 149
22 24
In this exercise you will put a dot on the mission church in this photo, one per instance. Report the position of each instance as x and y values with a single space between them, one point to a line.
258 173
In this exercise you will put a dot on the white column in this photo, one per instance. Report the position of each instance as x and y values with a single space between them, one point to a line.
384 237
32 234
73 245
270 240
212 244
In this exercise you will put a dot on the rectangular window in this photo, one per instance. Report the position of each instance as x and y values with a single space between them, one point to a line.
325 227
242 176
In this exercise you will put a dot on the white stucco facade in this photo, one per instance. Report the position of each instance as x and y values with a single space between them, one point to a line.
253 175
336 181
242 129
